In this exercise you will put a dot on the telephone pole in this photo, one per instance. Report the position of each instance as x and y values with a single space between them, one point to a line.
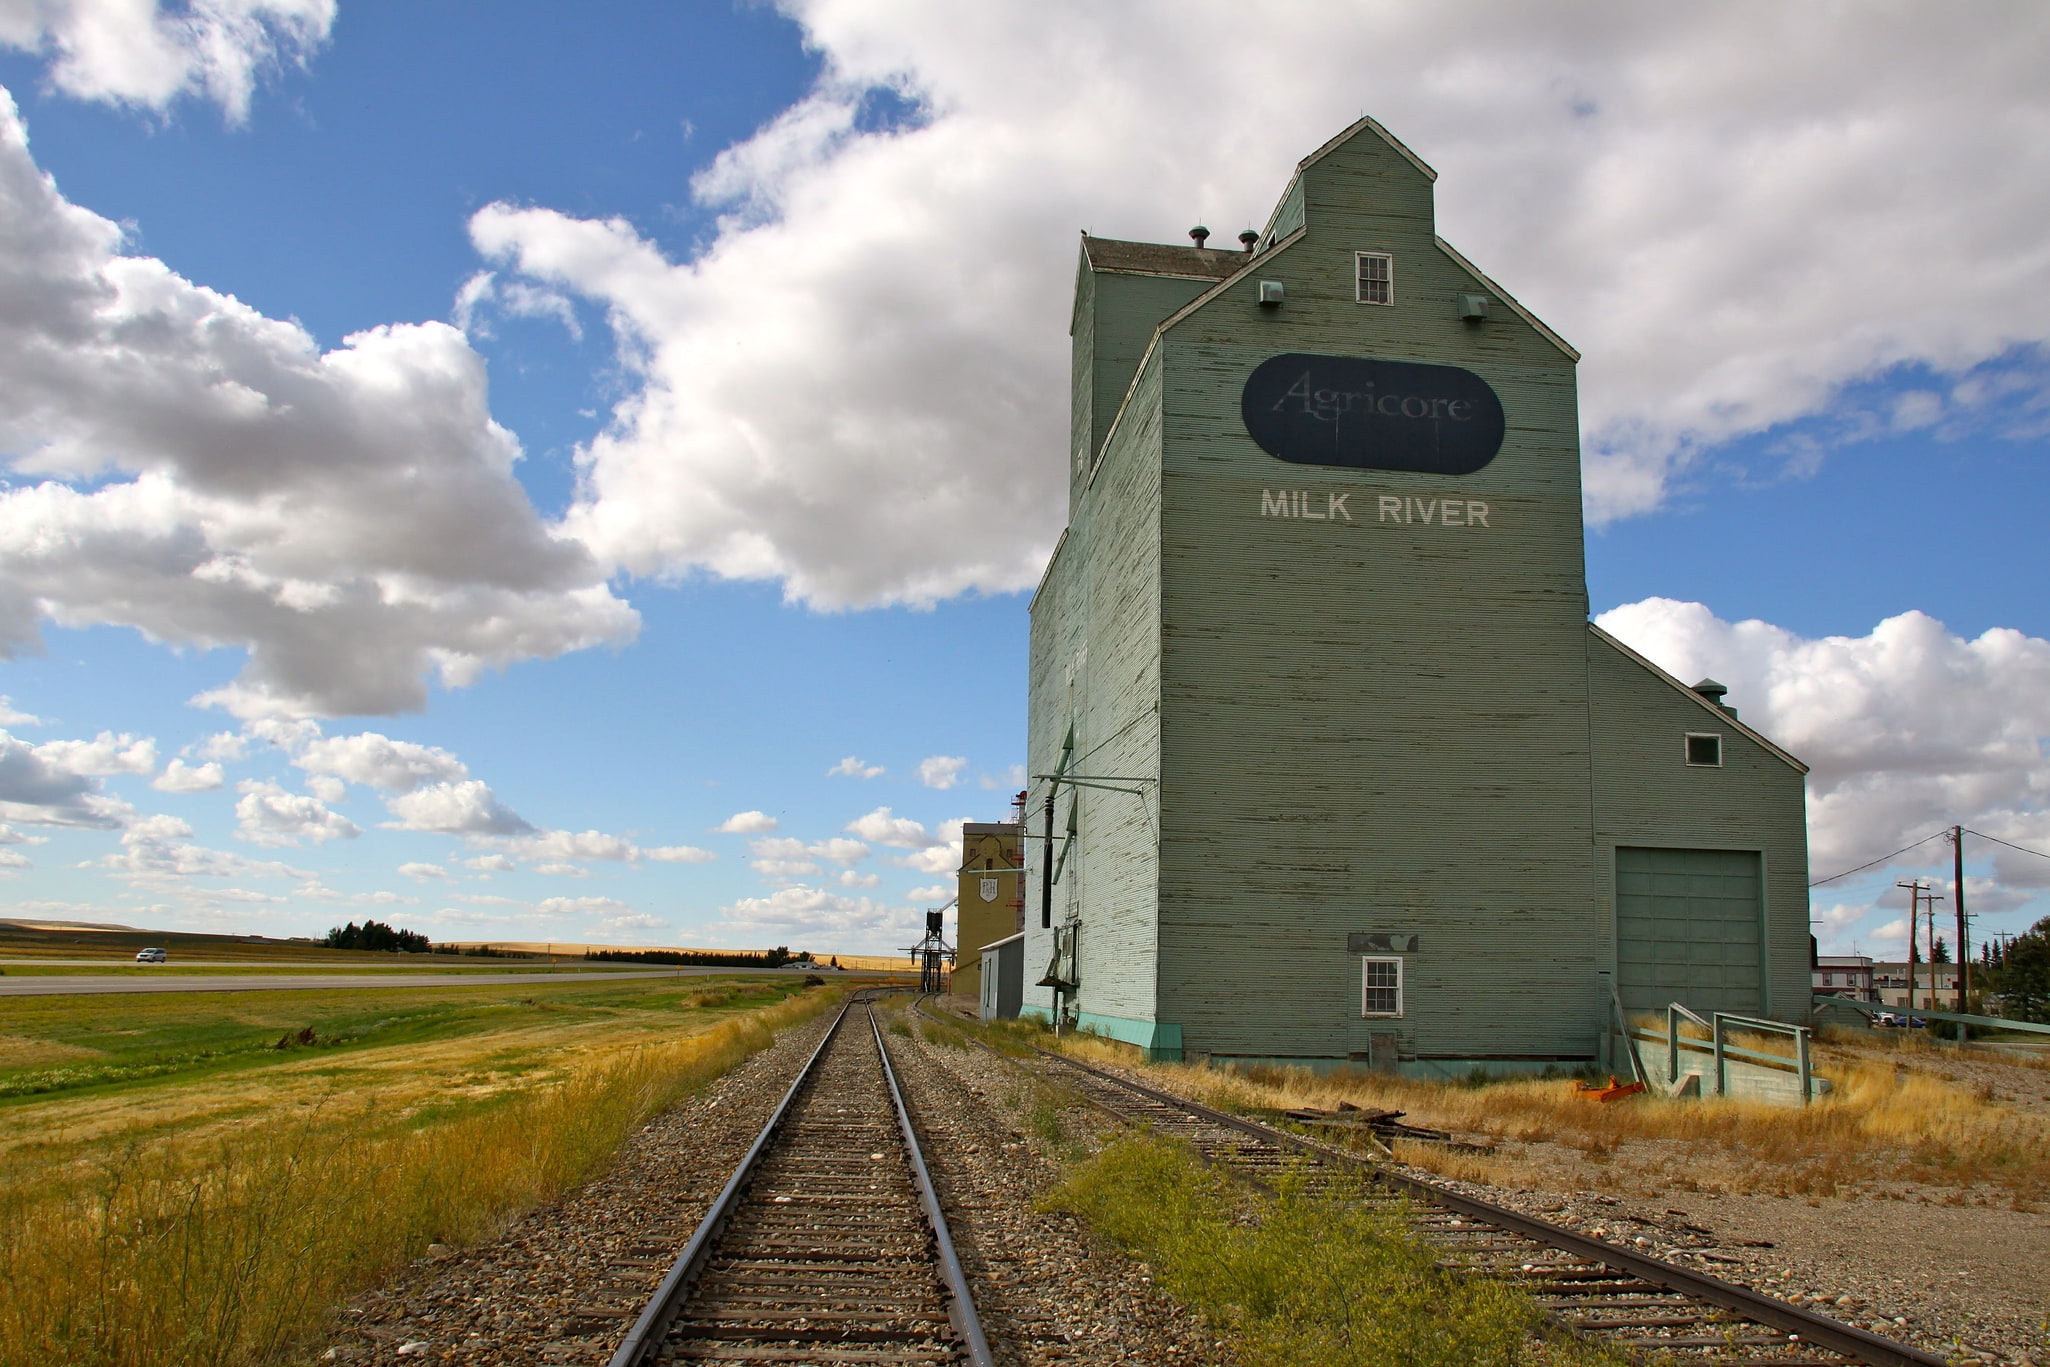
1964 952
1914 887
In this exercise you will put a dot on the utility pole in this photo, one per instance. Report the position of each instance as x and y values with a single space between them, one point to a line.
1964 952
1914 887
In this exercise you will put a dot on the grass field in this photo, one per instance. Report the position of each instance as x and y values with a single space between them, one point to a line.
1895 1122
191 1178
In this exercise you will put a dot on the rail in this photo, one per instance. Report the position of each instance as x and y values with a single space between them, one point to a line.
1799 1326
660 1333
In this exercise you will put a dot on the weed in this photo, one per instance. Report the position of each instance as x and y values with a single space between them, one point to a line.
227 1249
1298 1279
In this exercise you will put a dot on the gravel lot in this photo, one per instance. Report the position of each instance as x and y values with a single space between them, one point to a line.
562 1285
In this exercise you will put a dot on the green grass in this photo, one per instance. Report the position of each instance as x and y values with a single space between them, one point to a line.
114 1040
1293 1279
214 1220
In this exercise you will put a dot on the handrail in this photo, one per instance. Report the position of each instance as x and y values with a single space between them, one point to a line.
1921 1012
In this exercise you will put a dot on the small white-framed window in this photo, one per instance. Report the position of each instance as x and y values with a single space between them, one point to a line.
1376 277
1704 750
1380 985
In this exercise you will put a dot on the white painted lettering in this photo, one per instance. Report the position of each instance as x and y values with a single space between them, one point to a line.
1408 509
1336 509
1270 506
1476 514
1391 506
1303 502
1427 507
1449 516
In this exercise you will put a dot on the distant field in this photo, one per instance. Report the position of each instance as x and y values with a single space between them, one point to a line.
196 1179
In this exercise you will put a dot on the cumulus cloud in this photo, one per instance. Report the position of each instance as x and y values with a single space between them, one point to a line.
465 808
853 767
484 294
941 771
424 872
679 854
376 761
1906 729
489 863
883 828
105 753
12 716
746 823
810 910
39 786
134 53
180 777
560 869
267 814
782 857
934 893
158 850
1714 220
208 476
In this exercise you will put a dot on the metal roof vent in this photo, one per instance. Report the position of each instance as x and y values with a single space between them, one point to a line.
1201 235
1248 239
1714 692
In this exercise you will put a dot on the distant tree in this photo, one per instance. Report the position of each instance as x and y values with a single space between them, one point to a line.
2023 977
1939 953
378 938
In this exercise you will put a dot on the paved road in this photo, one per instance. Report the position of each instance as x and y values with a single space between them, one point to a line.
55 985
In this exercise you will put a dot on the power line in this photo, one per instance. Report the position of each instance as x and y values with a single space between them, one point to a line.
2009 843
1896 854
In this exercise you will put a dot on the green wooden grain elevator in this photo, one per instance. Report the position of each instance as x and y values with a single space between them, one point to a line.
1346 774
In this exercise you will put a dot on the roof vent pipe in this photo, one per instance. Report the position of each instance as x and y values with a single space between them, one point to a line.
1714 692
1201 235
1248 239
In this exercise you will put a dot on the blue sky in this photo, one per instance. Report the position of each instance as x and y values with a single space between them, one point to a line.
791 282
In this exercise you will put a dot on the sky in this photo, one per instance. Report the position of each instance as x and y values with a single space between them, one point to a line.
577 473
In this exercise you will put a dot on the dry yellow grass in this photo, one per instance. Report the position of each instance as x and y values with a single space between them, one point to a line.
1884 1124
226 1243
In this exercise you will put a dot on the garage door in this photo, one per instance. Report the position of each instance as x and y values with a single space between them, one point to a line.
1687 930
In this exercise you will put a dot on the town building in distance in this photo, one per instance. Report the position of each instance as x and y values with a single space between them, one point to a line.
1340 771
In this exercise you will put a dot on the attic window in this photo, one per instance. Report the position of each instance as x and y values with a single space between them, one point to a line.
1705 750
1376 277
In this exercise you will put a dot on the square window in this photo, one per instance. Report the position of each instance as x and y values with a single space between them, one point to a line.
1381 986
1376 277
1705 750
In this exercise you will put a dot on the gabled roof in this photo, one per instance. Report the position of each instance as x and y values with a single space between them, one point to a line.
1721 715
1155 258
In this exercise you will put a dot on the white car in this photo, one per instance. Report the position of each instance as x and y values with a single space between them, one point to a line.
151 956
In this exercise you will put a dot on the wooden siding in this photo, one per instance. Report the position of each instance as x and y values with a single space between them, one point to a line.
1114 320
1096 665
1372 725
1646 794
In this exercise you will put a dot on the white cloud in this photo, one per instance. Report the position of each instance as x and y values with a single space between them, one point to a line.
1906 730
156 850
267 814
222 745
180 777
932 859
1013 779
392 766
746 823
679 854
1713 219
10 836
853 767
465 808
489 863
423 872
11 716
484 293
937 892
212 479
883 828
559 869
581 906
36 786
14 859
810 911
105 753
132 52
941 771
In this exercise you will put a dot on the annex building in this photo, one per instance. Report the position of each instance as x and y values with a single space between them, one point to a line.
1339 768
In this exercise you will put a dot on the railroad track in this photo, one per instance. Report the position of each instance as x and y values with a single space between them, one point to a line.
1642 1305
828 1244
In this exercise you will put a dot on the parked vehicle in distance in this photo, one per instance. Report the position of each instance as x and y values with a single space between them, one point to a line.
151 956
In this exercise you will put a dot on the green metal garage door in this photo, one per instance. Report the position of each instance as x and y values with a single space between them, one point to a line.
1687 924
